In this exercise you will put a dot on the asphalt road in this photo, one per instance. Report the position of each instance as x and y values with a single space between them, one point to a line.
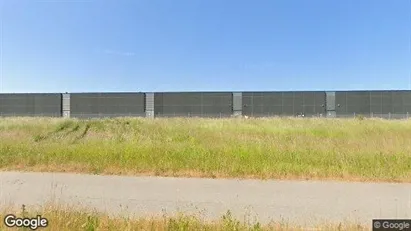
297 202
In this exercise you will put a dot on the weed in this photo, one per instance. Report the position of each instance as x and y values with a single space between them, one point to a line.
281 148
72 219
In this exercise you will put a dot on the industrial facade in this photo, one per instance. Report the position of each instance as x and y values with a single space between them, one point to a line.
201 104
384 104
284 103
373 103
91 105
48 105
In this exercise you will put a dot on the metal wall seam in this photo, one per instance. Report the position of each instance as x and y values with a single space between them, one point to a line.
237 103
330 104
66 105
149 105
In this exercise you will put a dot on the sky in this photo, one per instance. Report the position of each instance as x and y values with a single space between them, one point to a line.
204 45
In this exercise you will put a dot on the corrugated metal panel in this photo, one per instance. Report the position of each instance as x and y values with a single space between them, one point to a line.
330 100
66 114
150 114
283 103
406 97
66 102
331 114
203 104
149 101
237 102
89 105
385 104
158 104
352 103
31 104
149 105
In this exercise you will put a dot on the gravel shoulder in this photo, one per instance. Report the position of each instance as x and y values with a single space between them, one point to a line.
295 202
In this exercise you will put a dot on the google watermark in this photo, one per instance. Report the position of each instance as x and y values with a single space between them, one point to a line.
391 224
33 223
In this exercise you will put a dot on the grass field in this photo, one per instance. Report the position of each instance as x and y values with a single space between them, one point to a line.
281 148
65 218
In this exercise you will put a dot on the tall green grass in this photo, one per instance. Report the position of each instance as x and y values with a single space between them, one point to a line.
346 149
61 218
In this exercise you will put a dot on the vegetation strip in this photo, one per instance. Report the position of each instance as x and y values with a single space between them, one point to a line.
276 148
67 218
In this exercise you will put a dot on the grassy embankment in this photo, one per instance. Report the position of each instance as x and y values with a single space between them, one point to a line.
342 149
66 218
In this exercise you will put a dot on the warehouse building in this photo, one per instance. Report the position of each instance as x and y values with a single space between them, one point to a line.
384 104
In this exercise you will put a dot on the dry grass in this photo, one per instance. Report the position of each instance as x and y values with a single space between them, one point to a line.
282 148
69 218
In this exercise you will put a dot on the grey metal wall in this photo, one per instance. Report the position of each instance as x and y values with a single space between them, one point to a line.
31 105
237 103
149 105
348 103
204 104
66 105
91 105
373 103
385 104
283 103
330 104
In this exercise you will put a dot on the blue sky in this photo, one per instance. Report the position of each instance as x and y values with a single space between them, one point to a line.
204 45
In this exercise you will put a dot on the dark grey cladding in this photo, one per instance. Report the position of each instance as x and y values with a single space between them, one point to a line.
97 105
352 102
385 104
369 103
283 103
202 104
31 104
